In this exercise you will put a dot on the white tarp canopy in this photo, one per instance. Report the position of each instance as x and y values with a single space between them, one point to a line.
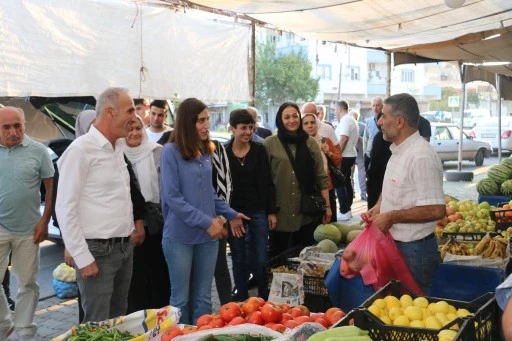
80 47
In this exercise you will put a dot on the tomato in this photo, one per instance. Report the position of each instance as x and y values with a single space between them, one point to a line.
236 321
204 320
229 311
217 322
296 312
271 313
262 301
278 327
269 325
316 316
284 307
323 322
304 309
291 324
335 317
189 329
286 317
170 333
206 326
251 305
331 311
255 318
303 319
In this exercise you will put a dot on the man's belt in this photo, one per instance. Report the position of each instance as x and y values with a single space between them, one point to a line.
114 240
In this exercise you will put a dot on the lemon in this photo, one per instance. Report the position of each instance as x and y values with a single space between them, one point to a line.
463 312
391 302
432 322
379 302
451 316
421 302
452 309
441 307
406 301
386 319
426 313
413 313
417 324
447 334
395 312
442 318
375 310
431 307
401 321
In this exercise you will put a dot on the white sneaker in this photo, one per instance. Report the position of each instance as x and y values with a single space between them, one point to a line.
345 216
27 338
5 332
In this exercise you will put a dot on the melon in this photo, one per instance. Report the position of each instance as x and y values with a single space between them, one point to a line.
344 230
327 246
507 163
499 173
352 235
488 187
327 231
506 188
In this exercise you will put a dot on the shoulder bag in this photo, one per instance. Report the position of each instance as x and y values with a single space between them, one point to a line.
153 217
337 177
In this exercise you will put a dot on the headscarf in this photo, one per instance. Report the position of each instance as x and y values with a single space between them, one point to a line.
143 163
318 138
304 162
83 122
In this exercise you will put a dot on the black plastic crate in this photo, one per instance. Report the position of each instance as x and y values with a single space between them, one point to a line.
469 236
503 218
377 330
484 311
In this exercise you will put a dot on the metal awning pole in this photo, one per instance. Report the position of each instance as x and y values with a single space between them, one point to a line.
498 89
462 106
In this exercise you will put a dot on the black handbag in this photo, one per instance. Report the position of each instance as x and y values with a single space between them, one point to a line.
153 218
310 204
337 177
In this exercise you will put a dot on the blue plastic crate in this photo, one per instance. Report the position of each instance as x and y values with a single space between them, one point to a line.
493 200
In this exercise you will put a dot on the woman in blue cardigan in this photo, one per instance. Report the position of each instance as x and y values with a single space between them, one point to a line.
191 209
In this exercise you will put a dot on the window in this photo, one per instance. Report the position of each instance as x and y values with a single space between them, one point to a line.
324 71
442 133
353 73
377 74
407 76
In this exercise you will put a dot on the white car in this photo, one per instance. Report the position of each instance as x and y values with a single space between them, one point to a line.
445 140
487 130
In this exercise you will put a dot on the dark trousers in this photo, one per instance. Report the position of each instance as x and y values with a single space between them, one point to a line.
150 286
222 277
332 201
6 283
366 162
346 193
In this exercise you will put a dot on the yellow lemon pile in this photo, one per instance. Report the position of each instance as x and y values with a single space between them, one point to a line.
417 313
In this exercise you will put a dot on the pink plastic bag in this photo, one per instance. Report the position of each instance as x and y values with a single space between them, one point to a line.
373 255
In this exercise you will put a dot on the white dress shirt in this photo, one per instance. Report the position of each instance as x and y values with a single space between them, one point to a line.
93 196
414 177
348 127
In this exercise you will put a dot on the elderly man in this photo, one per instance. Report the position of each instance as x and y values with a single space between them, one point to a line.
412 198
94 208
259 131
371 129
157 116
23 164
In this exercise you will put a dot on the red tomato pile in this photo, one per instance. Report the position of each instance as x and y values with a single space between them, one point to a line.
276 316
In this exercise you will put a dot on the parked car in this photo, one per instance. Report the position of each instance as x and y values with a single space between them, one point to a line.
445 140
487 130
472 117
438 116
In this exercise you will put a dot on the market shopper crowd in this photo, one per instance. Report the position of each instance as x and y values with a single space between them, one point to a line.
114 179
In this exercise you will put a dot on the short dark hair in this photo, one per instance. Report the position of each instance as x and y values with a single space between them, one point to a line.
240 116
137 101
160 103
406 106
342 104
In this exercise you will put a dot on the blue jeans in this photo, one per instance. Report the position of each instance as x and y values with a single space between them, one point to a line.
250 252
105 295
346 193
191 267
422 258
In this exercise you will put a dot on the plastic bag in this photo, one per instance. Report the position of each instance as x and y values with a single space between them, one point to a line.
64 273
65 289
242 329
287 288
373 255
302 332
147 325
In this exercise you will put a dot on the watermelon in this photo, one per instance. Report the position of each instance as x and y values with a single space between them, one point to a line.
506 188
352 235
488 187
328 246
327 231
499 173
507 163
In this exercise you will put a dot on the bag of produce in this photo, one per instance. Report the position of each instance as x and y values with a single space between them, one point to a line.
240 332
64 281
142 325
373 255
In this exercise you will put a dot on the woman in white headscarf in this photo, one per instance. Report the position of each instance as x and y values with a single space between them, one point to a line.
150 286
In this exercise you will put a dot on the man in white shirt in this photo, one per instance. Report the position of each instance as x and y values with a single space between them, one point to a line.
157 115
371 129
94 208
348 133
412 198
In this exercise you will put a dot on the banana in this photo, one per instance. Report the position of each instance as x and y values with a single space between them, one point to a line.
501 240
481 246
497 251
489 249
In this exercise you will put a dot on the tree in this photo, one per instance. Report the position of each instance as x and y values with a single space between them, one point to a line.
282 78
473 97
442 104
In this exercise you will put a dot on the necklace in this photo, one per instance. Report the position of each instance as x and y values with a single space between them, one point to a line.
241 160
